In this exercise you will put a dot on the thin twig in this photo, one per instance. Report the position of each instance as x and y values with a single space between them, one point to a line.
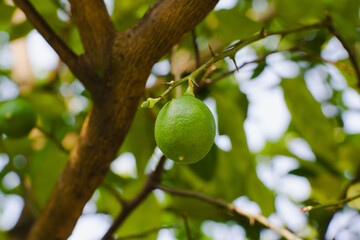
257 60
187 227
338 204
342 196
196 48
339 65
229 52
153 179
352 56
65 53
232 209
114 192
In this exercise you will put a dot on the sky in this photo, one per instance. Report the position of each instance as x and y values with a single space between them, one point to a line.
268 118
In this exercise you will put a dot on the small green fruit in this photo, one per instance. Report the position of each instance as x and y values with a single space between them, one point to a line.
185 129
17 118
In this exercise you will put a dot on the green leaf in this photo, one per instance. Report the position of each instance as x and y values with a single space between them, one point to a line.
127 13
16 146
237 166
315 45
304 172
206 168
295 12
309 120
108 202
19 30
74 41
140 140
6 13
49 11
345 68
44 170
345 16
241 27
46 103
259 69
147 216
324 186
349 157
354 190
196 208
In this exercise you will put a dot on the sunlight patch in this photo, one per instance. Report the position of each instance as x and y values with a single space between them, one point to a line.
225 4
301 148
124 165
223 142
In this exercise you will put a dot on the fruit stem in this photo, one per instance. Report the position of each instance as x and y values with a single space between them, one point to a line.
190 88
150 102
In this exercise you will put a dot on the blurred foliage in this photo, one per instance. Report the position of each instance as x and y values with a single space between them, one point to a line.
226 172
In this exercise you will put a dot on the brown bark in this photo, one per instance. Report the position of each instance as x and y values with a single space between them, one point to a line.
114 68
96 31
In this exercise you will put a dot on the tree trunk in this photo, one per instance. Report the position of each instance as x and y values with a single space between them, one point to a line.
114 68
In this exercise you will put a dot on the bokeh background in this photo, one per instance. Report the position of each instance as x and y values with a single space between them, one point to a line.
266 113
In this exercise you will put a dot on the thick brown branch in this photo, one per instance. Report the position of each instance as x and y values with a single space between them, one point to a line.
152 180
100 137
64 52
165 23
115 99
96 31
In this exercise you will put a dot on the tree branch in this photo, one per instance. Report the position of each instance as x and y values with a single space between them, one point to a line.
64 52
342 197
119 83
229 52
207 82
196 48
109 187
232 209
352 56
187 227
96 31
165 22
153 179
337 204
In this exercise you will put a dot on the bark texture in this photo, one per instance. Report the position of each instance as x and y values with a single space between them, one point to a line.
114 68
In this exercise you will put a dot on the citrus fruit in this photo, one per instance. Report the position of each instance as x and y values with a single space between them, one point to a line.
185 129
17 118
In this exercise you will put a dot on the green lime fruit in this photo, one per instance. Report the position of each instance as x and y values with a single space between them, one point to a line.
185 129
17 118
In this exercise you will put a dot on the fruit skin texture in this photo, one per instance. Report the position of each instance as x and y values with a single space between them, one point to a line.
17 118
185 129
